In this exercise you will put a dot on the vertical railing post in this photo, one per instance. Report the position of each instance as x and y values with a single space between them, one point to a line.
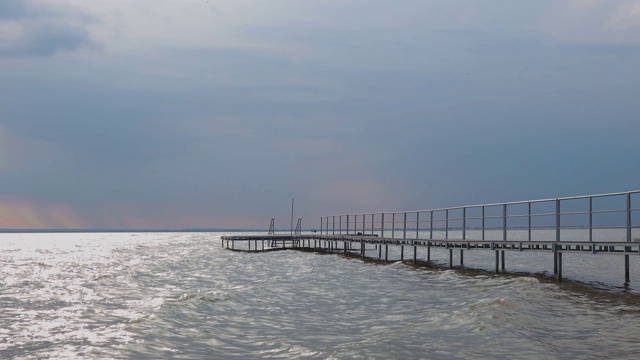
431 225
555 244
557 219
504 232
404 233
626 257
529 216
382 226
347 224
333 227
483 223
464 223
417 225
373 222
591 218
446 222
629 217
393 225
504 222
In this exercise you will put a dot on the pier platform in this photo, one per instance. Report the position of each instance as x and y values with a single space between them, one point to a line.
378 247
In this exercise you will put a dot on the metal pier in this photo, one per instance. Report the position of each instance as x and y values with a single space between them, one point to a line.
603 224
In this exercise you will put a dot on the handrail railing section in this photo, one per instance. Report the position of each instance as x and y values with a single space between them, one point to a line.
600 217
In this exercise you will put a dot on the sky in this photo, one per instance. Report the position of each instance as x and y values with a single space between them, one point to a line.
215 114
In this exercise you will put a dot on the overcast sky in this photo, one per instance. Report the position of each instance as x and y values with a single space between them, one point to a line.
178 114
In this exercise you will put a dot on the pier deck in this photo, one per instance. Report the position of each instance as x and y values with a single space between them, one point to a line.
362 245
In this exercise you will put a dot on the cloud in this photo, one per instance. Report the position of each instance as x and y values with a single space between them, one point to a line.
19 214
37 29
188 115
47 40
13 9
594 21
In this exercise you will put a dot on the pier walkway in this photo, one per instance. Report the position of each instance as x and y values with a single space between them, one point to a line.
603 224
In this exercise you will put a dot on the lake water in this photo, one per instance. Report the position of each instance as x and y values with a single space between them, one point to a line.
180 295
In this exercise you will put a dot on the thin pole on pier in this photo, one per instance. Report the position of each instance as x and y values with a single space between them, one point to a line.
292 217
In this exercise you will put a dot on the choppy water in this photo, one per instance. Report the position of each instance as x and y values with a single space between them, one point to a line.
180 295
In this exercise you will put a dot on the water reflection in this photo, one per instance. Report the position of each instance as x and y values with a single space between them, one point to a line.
181 295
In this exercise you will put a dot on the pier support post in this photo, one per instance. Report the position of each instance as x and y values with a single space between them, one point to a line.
222 242
461 257
415 254
626 270
555 260
386 253
428 251
379 251
502 265
362 249
402 253
497 261
450 258
559 267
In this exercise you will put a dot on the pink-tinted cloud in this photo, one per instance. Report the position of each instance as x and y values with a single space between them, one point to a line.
27 215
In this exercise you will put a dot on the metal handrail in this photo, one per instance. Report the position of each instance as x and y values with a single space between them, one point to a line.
459 222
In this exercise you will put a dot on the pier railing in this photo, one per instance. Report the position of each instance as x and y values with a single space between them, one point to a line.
611 217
